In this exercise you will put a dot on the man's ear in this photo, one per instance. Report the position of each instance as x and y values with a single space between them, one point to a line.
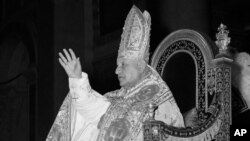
141 65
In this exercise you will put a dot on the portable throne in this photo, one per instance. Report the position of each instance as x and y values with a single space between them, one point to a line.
197 71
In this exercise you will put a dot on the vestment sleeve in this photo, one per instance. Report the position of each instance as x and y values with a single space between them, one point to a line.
86 102
169 113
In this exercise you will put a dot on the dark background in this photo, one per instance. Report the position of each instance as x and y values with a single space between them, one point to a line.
32 32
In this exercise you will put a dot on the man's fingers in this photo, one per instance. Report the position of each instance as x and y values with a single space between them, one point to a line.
63 58
72 54
78 61
67 55
61 62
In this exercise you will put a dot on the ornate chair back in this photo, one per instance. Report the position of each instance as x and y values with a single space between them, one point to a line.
200 83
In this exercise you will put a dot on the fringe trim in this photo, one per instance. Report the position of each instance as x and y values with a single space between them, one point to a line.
207 135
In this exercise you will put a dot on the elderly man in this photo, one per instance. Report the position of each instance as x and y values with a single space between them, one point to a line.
118 115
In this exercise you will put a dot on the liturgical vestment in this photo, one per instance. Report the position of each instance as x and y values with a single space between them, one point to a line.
86 115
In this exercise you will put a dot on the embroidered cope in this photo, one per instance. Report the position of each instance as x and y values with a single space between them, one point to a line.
117 116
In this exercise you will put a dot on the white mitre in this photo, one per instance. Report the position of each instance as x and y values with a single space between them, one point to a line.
135 37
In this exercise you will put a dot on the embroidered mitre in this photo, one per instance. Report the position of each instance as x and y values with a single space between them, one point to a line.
135 37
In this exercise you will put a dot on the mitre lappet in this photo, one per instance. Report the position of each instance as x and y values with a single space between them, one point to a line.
135 37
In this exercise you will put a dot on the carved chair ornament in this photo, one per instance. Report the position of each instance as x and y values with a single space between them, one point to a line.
210 119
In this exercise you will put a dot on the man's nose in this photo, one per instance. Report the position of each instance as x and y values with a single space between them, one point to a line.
118 70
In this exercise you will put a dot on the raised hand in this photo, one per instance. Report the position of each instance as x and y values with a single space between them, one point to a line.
70 63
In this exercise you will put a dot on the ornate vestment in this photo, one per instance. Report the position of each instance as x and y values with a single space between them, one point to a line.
119 115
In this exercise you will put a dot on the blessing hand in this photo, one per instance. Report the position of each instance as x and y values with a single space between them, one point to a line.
70 63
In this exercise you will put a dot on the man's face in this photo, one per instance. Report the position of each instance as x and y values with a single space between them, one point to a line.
128 72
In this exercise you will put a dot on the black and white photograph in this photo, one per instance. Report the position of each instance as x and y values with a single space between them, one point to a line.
124 70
